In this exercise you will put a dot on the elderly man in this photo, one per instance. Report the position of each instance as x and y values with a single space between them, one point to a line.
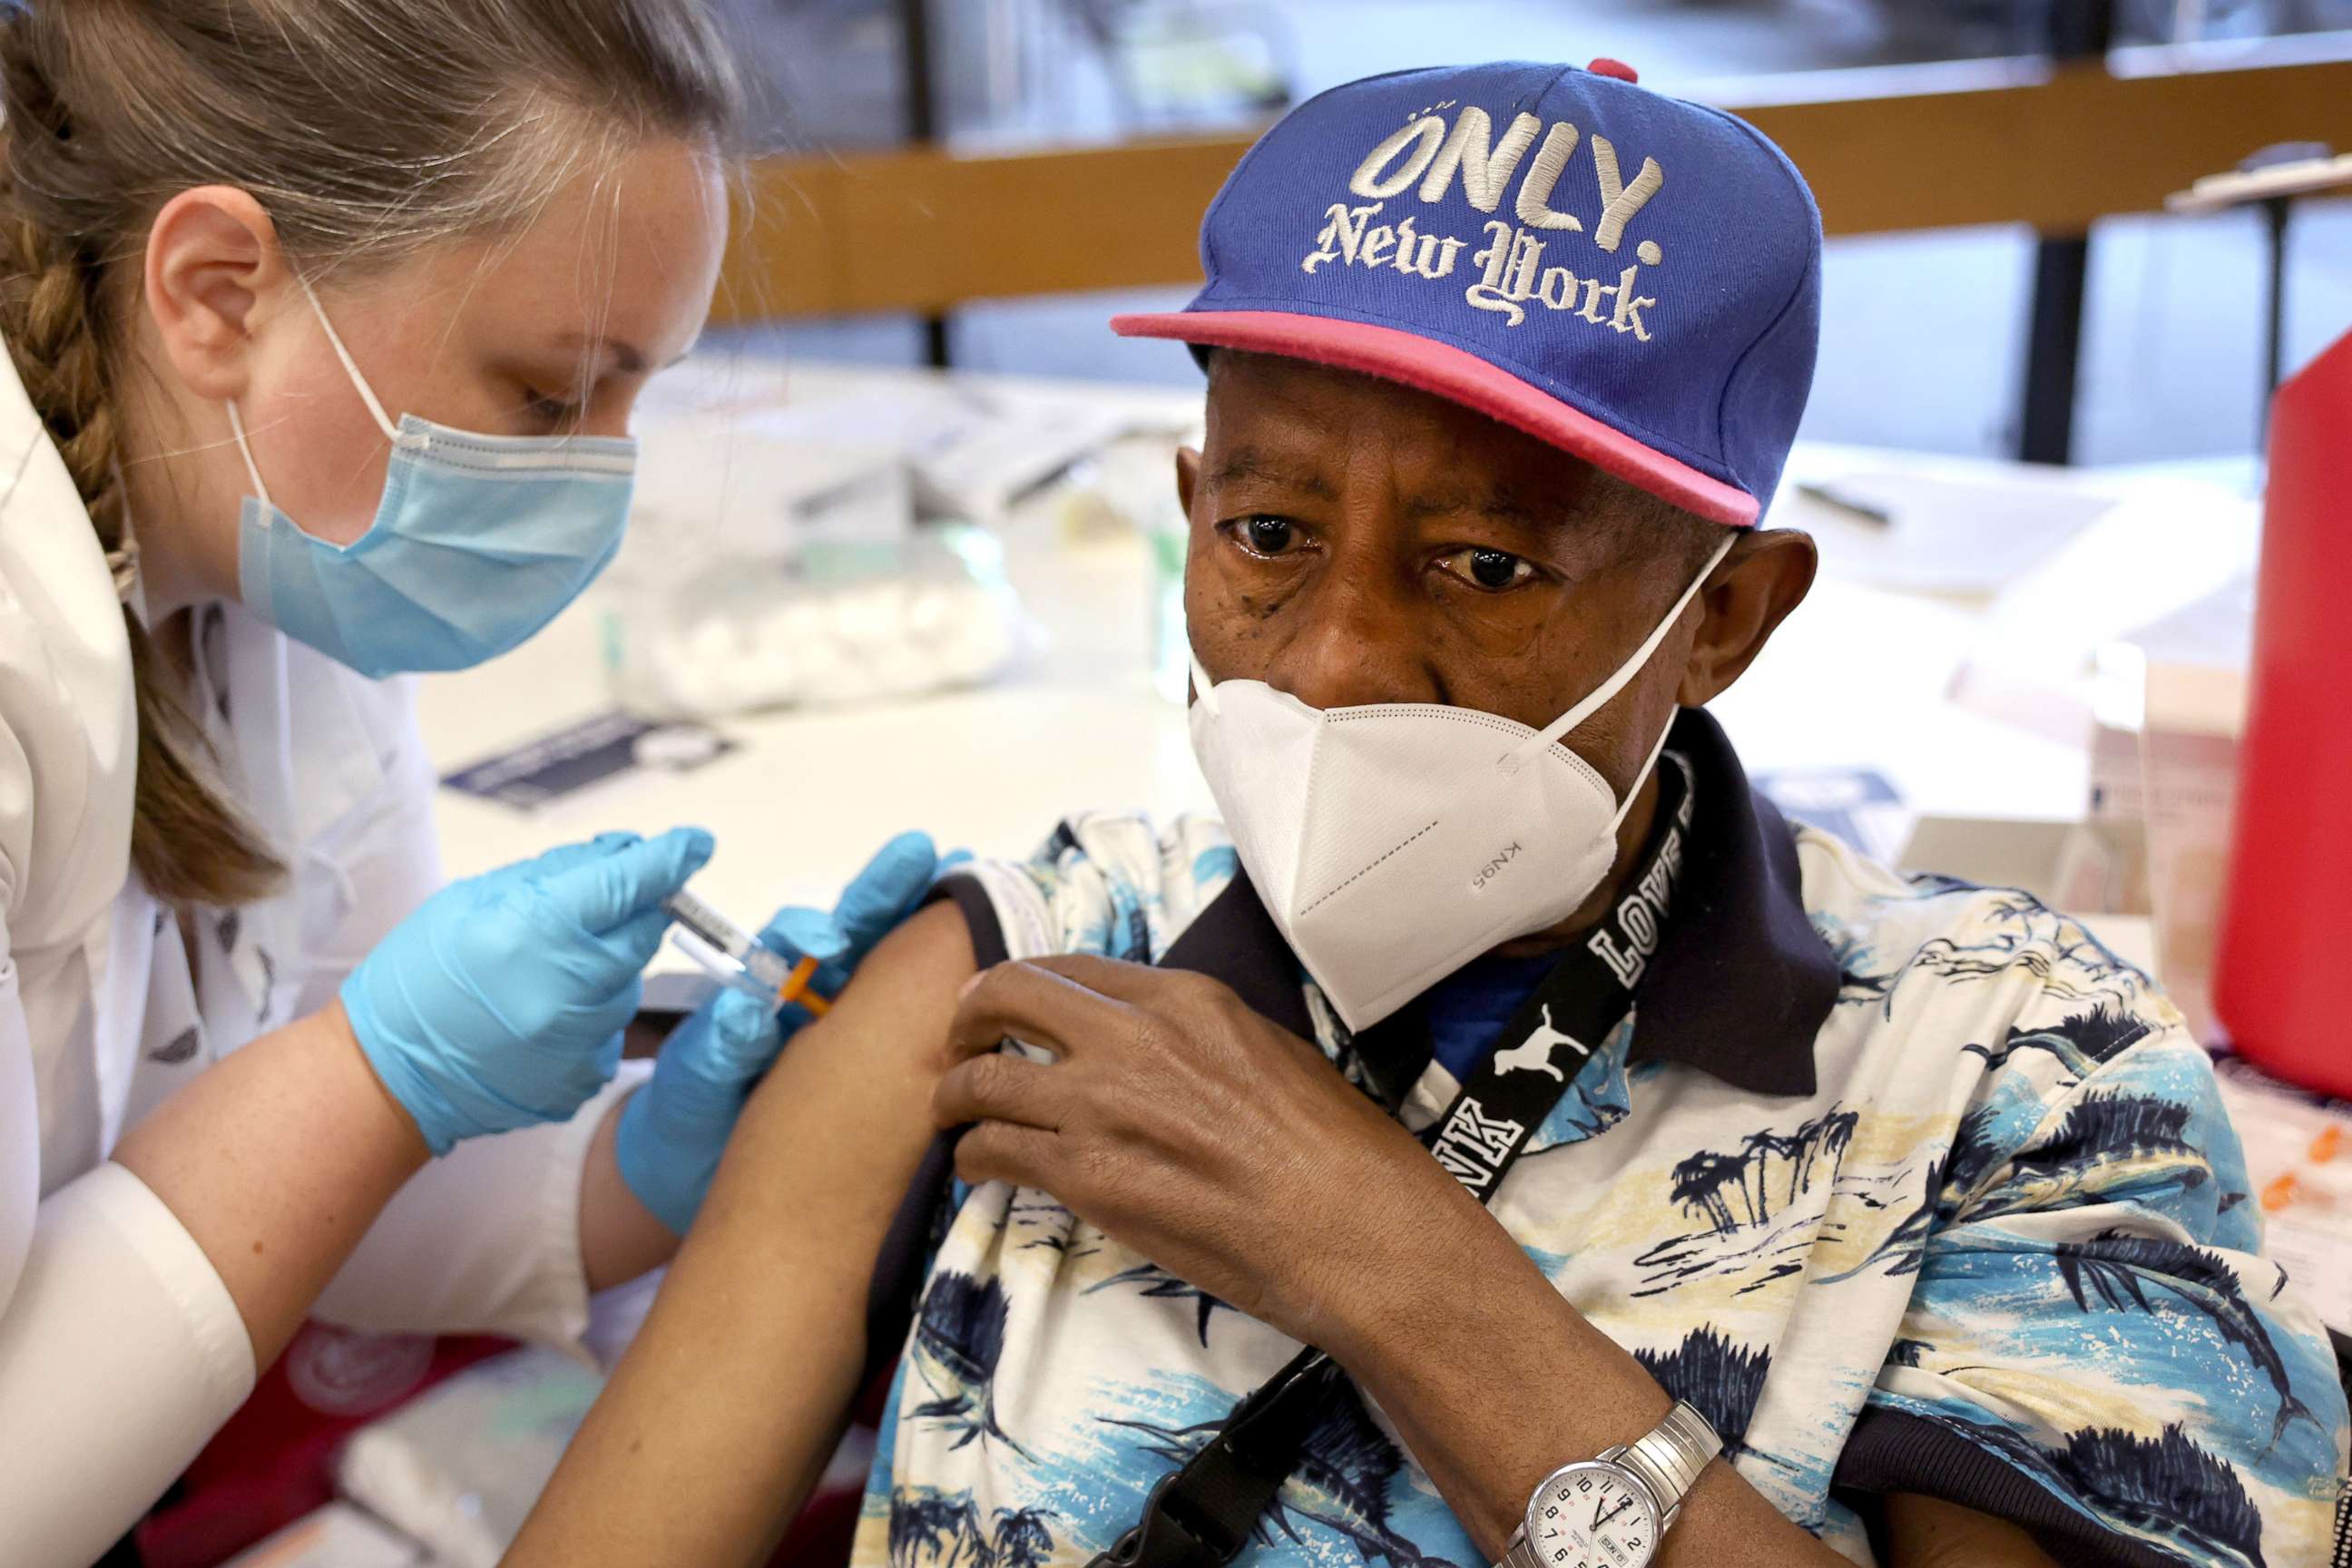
1608 1142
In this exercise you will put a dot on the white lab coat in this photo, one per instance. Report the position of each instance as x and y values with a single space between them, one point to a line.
121 1351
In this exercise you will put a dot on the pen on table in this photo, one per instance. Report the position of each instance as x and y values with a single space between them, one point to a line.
1859 510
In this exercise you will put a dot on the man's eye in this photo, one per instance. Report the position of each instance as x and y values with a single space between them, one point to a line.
1269 535
1492 570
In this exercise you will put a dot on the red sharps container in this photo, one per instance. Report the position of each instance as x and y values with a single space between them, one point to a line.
2285 956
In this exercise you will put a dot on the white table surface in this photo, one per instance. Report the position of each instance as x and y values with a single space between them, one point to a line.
1859 676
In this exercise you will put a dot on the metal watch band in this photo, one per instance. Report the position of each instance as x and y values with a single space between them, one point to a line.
1523 1553
1669 1458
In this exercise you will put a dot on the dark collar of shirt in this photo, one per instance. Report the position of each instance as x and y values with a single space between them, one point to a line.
1738 987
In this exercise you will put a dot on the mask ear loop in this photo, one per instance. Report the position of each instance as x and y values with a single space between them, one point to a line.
1600 696
244 450
1635 792
351 367
1203 687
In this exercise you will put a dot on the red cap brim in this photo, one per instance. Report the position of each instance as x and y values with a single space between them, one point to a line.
1461 377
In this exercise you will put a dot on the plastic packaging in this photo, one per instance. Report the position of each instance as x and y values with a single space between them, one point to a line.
460 1468
1124 488
2278 981
838 624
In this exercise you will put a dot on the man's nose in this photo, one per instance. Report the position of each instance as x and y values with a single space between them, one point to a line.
1352 643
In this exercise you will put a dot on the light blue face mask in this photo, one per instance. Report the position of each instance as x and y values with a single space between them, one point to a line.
480 541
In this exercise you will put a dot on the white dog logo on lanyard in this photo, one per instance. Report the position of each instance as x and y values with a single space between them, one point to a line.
1534 1053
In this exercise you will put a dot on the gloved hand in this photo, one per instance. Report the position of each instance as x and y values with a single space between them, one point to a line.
674 1128
499 1002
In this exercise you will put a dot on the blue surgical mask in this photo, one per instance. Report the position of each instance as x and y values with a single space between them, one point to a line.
478 541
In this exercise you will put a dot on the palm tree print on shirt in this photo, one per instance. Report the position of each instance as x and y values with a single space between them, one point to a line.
2120 1269
2093 1132
2167 1483
1715 1375
1771 1169
959 1338
1345 1470
2013 932
2166 1488
941 1530
2083 1041
1159 1284
1747 1201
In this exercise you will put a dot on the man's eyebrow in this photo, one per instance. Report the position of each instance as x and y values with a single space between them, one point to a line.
1249 463
1497 501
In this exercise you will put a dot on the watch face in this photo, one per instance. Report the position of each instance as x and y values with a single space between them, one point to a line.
1592 1516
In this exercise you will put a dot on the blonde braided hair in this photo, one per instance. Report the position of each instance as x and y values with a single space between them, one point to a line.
188 842
368 131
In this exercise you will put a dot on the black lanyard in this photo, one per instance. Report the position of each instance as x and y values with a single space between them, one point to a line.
1202 1514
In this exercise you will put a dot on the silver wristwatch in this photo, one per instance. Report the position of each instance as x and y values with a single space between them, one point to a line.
1610 1512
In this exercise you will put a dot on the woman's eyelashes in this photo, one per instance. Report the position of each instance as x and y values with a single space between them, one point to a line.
549 412
549 400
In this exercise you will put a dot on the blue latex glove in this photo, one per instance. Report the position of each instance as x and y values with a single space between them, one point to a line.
673 1130
499 1002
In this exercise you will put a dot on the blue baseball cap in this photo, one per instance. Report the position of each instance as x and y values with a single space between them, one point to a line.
1633 279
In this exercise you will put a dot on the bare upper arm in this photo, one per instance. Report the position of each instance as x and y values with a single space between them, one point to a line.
886 1030
1929 1533
735 1392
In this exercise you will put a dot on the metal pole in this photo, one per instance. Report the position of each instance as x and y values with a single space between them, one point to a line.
2079 30
2053 349
921 93
2275 215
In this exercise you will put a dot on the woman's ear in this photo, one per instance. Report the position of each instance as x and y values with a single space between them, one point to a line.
212 259
1767 574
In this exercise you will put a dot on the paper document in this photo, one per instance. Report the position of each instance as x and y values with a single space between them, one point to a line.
1938 536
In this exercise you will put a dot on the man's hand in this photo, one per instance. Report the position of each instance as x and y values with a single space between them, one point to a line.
1235 1155
1228 1150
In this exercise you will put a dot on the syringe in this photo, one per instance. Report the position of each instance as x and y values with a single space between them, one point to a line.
733 956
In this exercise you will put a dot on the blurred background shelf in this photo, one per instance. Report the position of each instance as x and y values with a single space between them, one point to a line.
1997 210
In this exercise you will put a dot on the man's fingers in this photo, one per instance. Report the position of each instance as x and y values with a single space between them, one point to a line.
1138 984
1002 1088
1033 1005
1006 1151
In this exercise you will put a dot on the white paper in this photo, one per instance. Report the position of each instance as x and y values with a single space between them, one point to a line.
1941 536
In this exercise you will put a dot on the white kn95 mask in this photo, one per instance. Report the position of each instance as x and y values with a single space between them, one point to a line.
1394 842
